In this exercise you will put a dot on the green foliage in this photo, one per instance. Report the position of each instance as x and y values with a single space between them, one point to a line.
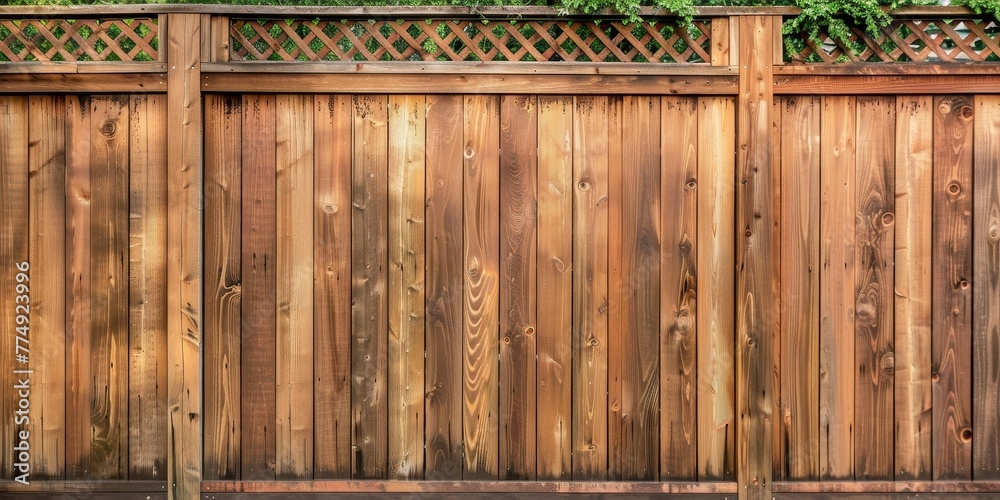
830 16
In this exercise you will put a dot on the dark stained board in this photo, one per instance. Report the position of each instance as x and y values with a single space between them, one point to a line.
951 279
369 277
518 226
333 120
223 291
444 288
258 440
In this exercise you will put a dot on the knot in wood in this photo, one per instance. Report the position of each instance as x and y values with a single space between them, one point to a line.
109 128
888 363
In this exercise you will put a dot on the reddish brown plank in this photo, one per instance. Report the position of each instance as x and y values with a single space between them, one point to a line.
590 287
873 310
636 431
332 289
986 295
109 287
407 134
47 245
147 286
369 275
715 282
678 288
443 403
914 119
14 212
257 267
951 275
837 276
554 334
800 286
482 281
294 294
78 321
616 287
223 291
518 226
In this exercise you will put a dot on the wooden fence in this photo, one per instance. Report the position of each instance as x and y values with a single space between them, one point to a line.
273 250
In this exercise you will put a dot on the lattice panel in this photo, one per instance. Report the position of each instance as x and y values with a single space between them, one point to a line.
78 40
460 40
914 40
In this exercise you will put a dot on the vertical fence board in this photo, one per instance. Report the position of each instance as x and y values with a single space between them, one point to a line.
406 286
640 293
837 276
109 287
715 282
800 286
147 397
332 143
258 440
47 247
756 281
554 342
518 223
678 288
223 295
482 280
951 353
294 301
874 230
444 215
369 313
590 287
14 213
78 321
777 458
616 284
912 341
986 294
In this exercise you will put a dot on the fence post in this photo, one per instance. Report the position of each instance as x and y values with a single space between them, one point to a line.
184 301
756 282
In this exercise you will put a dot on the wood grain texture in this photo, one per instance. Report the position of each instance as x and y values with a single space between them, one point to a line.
518 227
951 318
369 276
914 120
678 288
616 287
875 233
715 282
800 286
223 285
333 119
147 395
986 295
590 287
78 321
444 296
294 295
636 432
756 296
554 337
185 195
257 375
837 274
482 281
47 253
14 213
406 286
109 342
777 460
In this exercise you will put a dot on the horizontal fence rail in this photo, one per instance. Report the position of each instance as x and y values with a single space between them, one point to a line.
441 250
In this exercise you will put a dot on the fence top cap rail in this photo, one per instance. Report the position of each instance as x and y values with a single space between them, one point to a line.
412 11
